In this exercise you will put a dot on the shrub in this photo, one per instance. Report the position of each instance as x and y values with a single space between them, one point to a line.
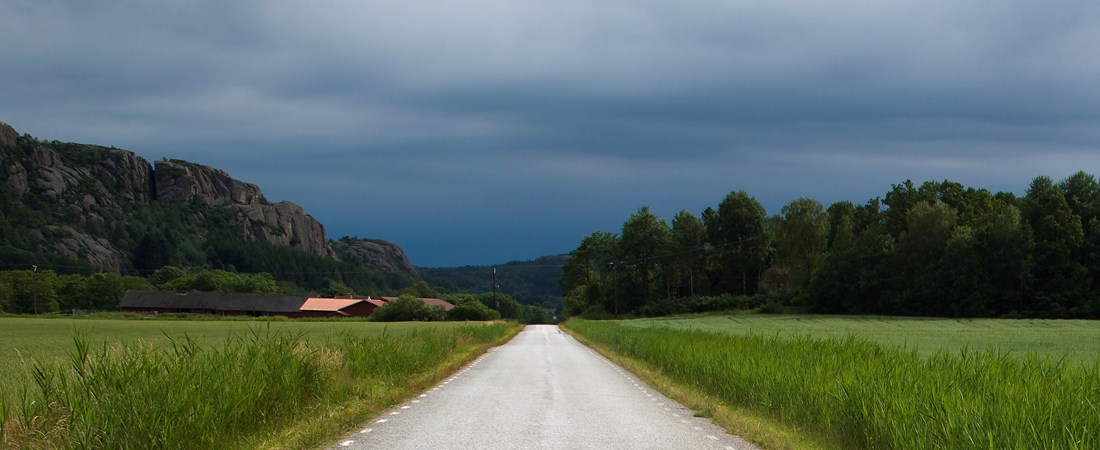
471 309
405 309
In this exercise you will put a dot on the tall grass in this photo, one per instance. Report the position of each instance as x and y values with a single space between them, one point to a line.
186 395
864 395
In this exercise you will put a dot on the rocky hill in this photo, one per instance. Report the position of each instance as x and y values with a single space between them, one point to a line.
110 209
284 223
374 253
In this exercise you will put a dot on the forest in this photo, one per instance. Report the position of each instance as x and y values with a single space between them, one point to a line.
938 249
532 282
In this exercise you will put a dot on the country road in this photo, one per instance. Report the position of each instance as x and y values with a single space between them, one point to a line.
541 390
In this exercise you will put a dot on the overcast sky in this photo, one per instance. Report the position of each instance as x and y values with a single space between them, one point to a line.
484 131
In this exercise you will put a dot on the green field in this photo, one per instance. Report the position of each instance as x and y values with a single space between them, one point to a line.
1077 340
875 382
26 340
110 383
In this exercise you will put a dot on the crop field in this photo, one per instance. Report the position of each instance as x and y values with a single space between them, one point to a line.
24 340
883 382
91 383
1076 340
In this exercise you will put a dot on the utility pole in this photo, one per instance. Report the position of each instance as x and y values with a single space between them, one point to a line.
495 299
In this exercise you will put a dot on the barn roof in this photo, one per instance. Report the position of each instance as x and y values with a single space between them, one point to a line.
438 302
329 304
214 301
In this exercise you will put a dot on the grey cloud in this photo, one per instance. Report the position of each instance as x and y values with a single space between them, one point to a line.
568 115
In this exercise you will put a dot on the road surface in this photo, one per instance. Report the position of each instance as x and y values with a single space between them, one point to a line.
541 390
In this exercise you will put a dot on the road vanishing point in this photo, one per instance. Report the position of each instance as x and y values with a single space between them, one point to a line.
542 390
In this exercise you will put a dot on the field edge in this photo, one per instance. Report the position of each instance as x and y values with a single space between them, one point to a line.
754 426
324 429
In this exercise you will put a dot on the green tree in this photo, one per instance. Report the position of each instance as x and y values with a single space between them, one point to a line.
336 289
687 244
504 304
984 269
471 309
1082 192
740 238
30 291
915 287
852 276
421 289
405 309
589 274
801 240
162 276
1058 281
643 248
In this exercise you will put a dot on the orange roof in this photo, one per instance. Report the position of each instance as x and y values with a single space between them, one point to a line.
329 304
437 302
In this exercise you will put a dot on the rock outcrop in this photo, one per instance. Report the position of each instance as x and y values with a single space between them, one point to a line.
98 252
284 223
92 192
181 181
375 253
8 135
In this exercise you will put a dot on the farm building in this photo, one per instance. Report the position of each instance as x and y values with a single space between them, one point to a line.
242 304
348 307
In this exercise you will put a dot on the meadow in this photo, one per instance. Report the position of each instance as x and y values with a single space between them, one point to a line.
90 383
871 382
25 340
1076 340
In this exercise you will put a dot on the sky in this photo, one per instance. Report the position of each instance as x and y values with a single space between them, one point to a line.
484 131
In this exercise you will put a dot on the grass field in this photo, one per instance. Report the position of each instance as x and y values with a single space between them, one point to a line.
872 382
1077 340
93 383
25 340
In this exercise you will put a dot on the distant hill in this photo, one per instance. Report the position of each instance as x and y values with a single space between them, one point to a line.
529 282
87 208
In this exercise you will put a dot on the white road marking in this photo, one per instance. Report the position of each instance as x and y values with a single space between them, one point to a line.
346 443
366 430
382 421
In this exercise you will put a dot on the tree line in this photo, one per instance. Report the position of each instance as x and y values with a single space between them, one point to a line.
46 291
938 249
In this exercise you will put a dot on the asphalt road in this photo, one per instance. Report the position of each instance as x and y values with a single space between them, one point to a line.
541 390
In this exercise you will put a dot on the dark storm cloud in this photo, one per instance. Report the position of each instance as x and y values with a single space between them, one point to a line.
502 129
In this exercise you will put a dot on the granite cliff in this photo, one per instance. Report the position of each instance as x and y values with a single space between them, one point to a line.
284 223
375 253
97 205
